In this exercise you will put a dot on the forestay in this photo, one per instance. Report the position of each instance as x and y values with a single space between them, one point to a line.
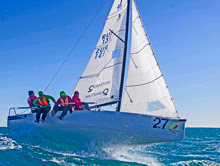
101 78
146 91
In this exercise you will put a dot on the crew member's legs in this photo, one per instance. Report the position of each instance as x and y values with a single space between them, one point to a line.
45 111
57 108
65 110
39 111
85 105
34 109
70 110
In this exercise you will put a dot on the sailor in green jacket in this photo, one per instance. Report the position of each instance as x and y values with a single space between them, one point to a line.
44 108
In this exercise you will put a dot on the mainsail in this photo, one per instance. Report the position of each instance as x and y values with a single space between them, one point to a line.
146 91
100 82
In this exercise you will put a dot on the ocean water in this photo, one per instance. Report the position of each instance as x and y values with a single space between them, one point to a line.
200 147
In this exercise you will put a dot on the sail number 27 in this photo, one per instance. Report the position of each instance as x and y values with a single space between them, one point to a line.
160 122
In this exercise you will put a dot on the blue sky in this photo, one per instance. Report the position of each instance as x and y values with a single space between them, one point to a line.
36 36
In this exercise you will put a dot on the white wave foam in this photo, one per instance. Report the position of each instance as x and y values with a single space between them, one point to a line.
8 143
196 162
64 154
131 154
119 152
61 162
53 151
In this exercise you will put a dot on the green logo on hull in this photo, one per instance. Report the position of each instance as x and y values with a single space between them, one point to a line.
174 128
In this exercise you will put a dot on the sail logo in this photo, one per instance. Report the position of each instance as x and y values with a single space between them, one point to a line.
100 52
174 128
92 87
105 91
106 37
119 16
119 5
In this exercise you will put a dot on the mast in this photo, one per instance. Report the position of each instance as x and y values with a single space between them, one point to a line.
124 58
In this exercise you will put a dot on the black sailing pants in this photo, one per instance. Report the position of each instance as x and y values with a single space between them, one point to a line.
65 109
43 111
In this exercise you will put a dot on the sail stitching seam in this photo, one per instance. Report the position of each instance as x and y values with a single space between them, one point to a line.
118 10
140 49
116 14
136 19
144 83
96 75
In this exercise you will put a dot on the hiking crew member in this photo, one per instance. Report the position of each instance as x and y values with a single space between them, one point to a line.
62 106
78 104
44 107
30 101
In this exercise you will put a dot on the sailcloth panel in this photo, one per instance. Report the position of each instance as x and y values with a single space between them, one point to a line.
146 91
101 78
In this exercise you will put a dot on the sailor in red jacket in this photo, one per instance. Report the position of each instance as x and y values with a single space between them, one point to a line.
31 99
61 105
78 104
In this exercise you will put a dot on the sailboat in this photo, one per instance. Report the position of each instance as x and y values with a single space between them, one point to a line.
129 103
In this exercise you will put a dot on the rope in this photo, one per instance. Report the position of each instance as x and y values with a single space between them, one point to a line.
74 47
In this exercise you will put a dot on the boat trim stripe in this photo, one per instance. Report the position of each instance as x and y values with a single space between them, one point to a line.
16 117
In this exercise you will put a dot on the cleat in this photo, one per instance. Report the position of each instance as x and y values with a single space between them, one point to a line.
42 121
36 121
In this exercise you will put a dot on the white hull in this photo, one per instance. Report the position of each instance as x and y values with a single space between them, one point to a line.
111 126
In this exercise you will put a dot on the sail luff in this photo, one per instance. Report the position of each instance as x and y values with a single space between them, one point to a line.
124 58
155 57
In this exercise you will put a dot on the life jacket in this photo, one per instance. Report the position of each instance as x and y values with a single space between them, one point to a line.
66 101
44 102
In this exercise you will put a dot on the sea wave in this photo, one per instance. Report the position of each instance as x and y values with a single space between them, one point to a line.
196 163
8 143
131 154
200 147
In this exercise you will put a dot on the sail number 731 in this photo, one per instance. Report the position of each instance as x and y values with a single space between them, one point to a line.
160 123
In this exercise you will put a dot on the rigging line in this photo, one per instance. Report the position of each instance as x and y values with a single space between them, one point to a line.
133 62
117 36
74 46
23 111
106 44
128 95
